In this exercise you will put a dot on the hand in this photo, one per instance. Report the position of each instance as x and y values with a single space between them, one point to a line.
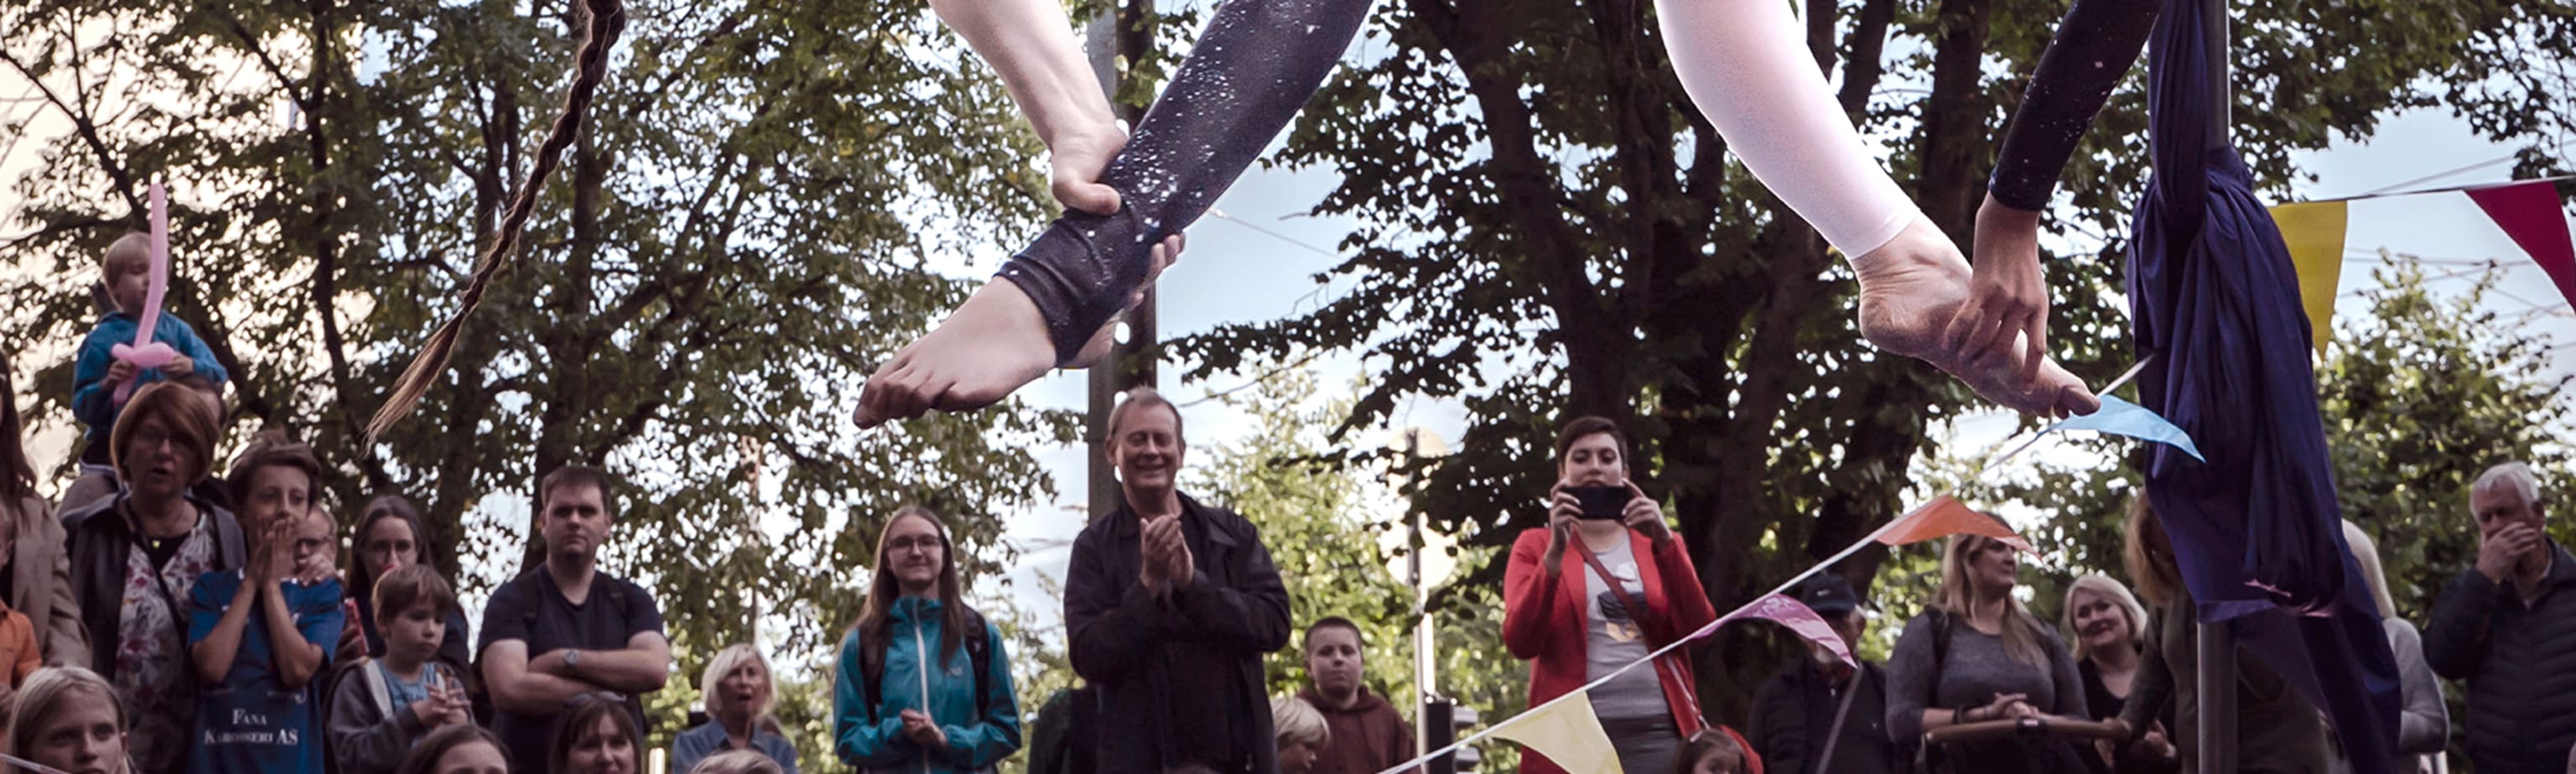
2000 708
1184 569
178 368
1645 516
922 731
2007 296
353 641
312 570
1155 563
1562 512
1164 255
1074 164
118 371
2501 552
2153 744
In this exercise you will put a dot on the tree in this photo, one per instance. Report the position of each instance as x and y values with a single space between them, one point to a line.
1327 528
1548 228
752 214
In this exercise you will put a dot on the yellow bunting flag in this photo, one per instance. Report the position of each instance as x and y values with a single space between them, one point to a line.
1567 733
2314 232
1945 516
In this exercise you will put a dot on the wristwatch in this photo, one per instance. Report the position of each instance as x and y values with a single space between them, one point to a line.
572 658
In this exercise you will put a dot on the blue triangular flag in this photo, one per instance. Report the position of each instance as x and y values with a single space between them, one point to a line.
2120 417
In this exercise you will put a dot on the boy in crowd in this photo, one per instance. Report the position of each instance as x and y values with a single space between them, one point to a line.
380 708
96 373
258 636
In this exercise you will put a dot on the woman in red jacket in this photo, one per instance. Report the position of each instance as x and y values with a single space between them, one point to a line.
1562 614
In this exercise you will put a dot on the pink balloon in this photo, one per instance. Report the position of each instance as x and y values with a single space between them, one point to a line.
145 353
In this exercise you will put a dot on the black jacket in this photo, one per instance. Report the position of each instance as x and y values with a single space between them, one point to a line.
1179 679
1794 711
2519 662
100 538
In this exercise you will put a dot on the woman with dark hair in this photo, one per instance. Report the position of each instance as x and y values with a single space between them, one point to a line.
136 556
388 538
923 680
37 580
2277 730
1603 584
597 736
1978 655
457 749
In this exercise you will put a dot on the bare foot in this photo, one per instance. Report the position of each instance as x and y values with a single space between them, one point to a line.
994 344
1911 289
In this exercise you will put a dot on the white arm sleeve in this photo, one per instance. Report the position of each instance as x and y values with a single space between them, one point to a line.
1745 63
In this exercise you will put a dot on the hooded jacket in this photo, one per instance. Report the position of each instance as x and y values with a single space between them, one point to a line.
1367 736
915 676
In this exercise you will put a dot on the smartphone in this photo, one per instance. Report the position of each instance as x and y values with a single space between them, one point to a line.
1601 502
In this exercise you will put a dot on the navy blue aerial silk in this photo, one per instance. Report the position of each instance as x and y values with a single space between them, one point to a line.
2256 529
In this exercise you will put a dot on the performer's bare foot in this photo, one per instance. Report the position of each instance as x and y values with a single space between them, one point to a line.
995 343
1910 290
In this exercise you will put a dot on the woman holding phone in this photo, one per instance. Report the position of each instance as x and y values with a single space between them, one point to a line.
1601 586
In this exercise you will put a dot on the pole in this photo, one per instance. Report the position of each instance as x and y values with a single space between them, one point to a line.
2217 690
1422 639
1118 33
2217 641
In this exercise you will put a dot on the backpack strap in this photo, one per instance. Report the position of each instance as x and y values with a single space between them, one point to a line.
376 688
869 673
979 656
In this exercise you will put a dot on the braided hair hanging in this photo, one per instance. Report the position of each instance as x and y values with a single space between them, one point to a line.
604 19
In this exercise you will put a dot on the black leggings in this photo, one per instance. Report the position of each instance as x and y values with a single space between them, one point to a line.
1256 64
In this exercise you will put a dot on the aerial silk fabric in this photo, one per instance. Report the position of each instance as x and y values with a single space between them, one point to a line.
1253 68
2215 300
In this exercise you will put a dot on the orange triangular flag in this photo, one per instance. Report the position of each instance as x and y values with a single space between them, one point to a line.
1945 516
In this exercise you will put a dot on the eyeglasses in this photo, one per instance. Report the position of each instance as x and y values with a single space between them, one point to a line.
924 544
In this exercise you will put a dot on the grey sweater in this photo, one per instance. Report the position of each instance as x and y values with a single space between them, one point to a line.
366 737
1976 668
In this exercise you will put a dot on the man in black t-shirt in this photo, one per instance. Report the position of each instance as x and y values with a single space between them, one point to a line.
566 629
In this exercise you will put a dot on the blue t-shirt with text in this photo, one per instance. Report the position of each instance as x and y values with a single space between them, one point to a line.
251 724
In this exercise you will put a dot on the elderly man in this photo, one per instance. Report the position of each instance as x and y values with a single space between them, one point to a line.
2507 626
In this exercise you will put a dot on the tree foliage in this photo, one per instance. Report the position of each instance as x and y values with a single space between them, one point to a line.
756 212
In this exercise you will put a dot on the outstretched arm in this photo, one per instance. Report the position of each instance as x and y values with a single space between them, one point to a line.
1746 66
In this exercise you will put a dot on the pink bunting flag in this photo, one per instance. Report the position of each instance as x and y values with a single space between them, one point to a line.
2529 213
145 353
1789 612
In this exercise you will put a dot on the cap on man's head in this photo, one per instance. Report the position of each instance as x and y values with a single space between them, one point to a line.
1828 594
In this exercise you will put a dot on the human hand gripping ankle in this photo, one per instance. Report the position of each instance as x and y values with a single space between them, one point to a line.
2007 293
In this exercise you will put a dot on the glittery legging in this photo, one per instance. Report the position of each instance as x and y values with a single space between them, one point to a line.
1254 66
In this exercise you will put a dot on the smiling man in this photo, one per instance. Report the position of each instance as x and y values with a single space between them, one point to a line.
1172 603
1368 734
567 629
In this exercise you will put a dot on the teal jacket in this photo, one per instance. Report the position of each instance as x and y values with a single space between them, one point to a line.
978 737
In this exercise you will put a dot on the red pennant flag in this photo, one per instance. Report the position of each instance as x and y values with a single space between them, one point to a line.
2529 213
1945 516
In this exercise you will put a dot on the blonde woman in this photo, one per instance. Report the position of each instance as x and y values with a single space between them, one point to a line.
1302 734
1978 655
2278 730
739 698
2110 633
2424 725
